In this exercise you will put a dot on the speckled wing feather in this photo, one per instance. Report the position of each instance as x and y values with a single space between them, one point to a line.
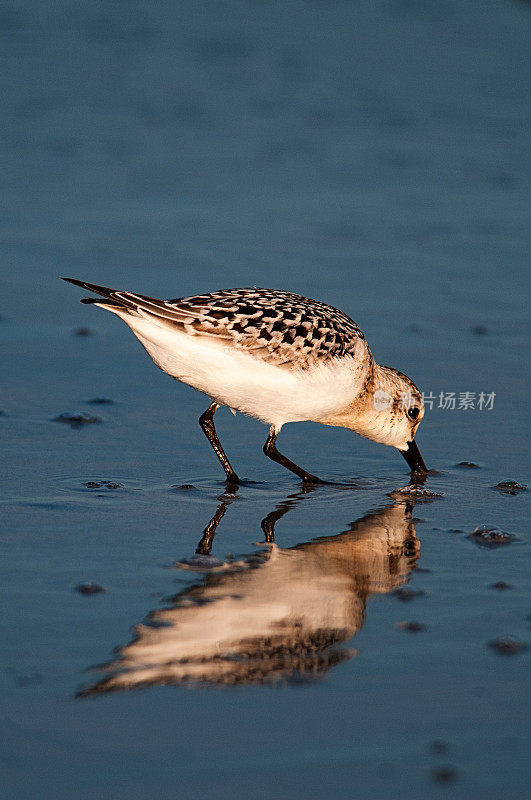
280 328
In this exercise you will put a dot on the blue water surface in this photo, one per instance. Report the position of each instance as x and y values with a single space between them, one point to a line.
373 155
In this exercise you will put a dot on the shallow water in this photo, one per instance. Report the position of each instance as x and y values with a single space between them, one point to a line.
335 642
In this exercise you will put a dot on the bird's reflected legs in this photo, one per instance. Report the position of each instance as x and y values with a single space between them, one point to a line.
268 523
206 421
270 449
205 545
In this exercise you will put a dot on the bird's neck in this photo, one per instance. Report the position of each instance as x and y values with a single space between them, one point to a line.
364 414
387 380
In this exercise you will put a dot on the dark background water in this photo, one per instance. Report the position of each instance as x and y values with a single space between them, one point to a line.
374 155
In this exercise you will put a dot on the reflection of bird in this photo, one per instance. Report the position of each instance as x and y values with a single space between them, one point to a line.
275 616
278 357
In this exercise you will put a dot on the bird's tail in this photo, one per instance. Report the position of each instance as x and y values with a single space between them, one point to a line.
108 294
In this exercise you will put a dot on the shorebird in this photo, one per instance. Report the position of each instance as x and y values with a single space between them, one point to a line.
276 356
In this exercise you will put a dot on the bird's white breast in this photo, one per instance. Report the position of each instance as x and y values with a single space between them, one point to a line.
231 377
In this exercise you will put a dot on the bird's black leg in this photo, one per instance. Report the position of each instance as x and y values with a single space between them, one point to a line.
206 421
270 449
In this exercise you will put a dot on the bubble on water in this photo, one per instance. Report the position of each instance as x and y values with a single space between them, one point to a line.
411 627
77 419
507 646
89 588
510 487
491 537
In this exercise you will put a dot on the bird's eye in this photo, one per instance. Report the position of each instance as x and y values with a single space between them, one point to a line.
413 412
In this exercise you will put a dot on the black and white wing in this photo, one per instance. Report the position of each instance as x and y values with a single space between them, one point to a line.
280 328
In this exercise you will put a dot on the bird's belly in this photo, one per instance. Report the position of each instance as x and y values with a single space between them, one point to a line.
275 395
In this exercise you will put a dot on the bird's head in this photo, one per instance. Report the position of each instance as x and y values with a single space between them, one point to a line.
396 413
389 410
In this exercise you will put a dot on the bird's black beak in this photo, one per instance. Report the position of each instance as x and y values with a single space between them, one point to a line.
414 458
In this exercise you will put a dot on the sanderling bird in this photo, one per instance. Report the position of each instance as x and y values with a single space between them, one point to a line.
276 356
